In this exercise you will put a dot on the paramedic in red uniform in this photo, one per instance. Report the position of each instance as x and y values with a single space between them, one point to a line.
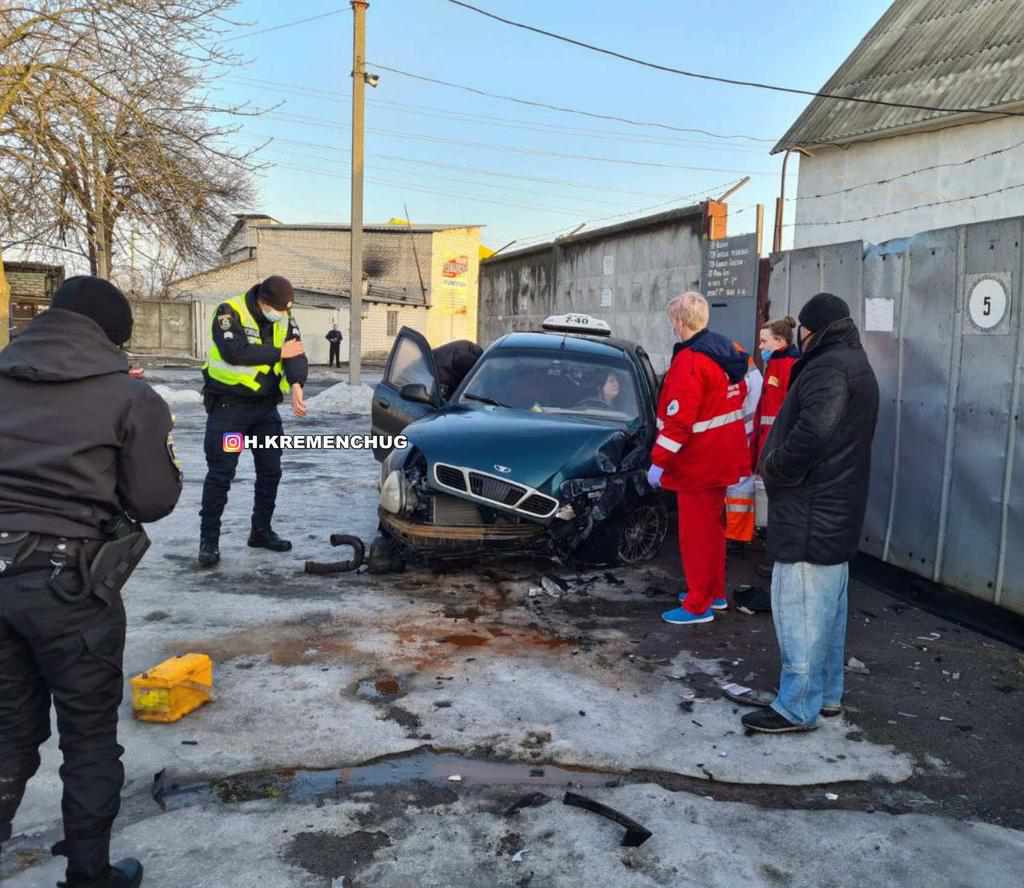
779 354
700 450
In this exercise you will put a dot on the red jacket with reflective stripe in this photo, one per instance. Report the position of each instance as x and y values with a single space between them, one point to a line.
701 440
773 393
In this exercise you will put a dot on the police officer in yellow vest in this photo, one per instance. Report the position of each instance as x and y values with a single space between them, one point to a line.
256 357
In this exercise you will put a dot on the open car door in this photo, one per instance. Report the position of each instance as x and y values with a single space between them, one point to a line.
409 390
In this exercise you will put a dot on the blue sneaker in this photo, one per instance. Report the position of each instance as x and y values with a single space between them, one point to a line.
719 604
682 617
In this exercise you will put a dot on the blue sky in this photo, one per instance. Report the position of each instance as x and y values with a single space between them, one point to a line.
507 179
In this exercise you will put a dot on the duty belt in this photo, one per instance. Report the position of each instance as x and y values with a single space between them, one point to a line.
23 551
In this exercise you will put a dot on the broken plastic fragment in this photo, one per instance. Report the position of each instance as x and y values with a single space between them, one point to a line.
635 835
518 856
831 796
552 587
455 778
858 666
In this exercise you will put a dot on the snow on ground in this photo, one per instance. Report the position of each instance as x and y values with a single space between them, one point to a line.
342 398
483 669
453 839
178 396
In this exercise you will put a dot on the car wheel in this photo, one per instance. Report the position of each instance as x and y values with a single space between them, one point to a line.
632 535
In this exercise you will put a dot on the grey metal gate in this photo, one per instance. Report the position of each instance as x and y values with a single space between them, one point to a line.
940 319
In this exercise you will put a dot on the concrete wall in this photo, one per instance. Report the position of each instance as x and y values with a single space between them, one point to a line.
218 284
376 340
833 169
941 320
162 328
454 285
319 259
624 276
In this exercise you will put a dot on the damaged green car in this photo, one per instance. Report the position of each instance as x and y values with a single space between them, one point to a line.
542 448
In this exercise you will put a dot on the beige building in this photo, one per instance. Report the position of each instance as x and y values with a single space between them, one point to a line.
421 276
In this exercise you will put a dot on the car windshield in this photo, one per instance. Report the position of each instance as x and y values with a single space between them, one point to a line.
561 384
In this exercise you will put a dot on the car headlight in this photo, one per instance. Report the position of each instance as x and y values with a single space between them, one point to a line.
392 494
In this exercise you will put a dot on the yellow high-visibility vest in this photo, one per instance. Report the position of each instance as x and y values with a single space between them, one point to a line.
241 374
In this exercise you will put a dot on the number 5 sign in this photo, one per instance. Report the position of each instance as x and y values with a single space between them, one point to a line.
988 303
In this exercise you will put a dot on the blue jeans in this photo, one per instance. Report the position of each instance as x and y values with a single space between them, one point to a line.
809 612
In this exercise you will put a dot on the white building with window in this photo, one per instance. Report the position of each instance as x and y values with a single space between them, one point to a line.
875 172
421 276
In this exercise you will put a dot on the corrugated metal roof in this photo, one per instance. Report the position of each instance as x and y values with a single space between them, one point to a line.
946 53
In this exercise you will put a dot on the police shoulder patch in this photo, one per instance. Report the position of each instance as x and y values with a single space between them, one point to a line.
171 453
673 408
225 321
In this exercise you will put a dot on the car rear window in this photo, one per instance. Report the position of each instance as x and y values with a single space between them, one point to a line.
569 384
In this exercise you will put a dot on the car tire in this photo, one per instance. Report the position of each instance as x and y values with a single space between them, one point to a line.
385 556
632 535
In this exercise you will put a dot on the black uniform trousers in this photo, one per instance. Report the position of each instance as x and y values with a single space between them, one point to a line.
71 654
334 360
227 416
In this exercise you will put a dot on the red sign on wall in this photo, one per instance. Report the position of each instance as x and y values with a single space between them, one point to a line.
456 267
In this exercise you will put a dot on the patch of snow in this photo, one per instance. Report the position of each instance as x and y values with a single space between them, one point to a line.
342 398
178 395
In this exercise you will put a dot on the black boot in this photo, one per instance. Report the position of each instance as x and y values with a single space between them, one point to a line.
265 538
209 554
125 873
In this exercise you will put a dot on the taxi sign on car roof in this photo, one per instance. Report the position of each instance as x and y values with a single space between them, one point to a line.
577 323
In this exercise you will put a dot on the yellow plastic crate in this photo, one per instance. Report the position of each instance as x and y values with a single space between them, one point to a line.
173 689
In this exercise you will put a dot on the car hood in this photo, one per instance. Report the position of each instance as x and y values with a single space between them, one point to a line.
540 451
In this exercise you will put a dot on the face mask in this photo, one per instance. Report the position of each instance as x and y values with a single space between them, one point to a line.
766 354
272 316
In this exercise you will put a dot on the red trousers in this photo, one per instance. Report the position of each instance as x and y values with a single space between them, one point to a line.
702 546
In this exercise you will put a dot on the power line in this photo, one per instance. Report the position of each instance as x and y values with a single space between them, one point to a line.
472 198
928 169
411 187
922 206
561 108
535 152
292 24
473 170
534 126
728 80
461 181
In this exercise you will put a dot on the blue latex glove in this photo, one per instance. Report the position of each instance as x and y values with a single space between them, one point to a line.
654 474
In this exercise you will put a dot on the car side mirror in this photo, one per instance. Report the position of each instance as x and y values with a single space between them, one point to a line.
416 391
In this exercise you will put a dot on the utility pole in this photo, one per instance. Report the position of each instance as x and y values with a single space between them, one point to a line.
355 337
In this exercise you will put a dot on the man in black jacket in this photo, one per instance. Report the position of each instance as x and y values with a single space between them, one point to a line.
256 356
81 445
453 361
816 466
334 337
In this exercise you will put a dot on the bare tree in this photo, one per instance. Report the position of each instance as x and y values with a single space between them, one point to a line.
110 132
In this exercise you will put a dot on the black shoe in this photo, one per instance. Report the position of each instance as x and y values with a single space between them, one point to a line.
209 554
267 539
832 711
125 873
768 721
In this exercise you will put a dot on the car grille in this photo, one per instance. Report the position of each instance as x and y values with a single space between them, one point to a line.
495 489
498 491
537 504
449 476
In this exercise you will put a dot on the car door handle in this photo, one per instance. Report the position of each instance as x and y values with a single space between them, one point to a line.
385 404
